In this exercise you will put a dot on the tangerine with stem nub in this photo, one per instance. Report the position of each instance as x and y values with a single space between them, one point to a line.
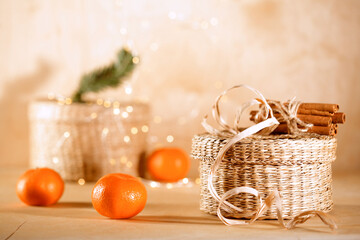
40 187
119 195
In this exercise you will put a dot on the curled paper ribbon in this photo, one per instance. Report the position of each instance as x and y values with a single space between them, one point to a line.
236 134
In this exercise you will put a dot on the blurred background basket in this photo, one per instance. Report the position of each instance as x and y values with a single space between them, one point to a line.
298 166
87 141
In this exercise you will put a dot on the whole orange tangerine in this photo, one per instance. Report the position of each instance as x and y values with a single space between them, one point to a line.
118 195
40 187
168 164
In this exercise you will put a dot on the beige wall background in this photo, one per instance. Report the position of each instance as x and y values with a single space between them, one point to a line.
190 51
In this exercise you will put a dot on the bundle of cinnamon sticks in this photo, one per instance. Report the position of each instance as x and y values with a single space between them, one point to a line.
324 117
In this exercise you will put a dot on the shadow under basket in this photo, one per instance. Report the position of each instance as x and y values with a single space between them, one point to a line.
87 140
298 166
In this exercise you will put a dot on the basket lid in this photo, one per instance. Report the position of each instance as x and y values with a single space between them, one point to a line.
279 149
52 111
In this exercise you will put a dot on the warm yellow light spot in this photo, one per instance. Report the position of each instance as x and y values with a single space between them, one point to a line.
197 180
157 119
129 109
144 128
134 130
107 104
124 114
68 101
123 159
170 138
112 161
136 60
55 160
116 111
128 90
126 139
105 131
116 104
93 115
153 184
129 164
99 101
169 185
66 134
81 181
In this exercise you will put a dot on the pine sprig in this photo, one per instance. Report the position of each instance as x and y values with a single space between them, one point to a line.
109 76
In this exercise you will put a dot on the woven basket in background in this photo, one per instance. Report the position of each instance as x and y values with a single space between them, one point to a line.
299 167
87 140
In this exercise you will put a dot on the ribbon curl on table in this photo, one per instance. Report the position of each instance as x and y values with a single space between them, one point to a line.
288 114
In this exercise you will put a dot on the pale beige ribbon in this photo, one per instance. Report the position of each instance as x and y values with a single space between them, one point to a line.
235 134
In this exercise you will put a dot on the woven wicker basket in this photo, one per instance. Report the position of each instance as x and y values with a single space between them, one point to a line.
87 141
299 167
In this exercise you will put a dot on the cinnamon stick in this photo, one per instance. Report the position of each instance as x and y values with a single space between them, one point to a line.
314 112
326 107
330 130
323 109
338 117
314 119
322 130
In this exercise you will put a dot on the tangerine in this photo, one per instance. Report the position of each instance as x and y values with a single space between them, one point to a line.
40 187
168 164
119 195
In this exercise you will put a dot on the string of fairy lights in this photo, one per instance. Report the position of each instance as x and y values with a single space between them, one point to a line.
188 18
116 112
176 17
61 100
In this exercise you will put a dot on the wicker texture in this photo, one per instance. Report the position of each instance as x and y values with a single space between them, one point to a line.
87 141
299 167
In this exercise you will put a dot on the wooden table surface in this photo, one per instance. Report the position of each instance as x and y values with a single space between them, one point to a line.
169 214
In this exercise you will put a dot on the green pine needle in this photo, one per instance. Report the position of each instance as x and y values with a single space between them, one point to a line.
110 76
